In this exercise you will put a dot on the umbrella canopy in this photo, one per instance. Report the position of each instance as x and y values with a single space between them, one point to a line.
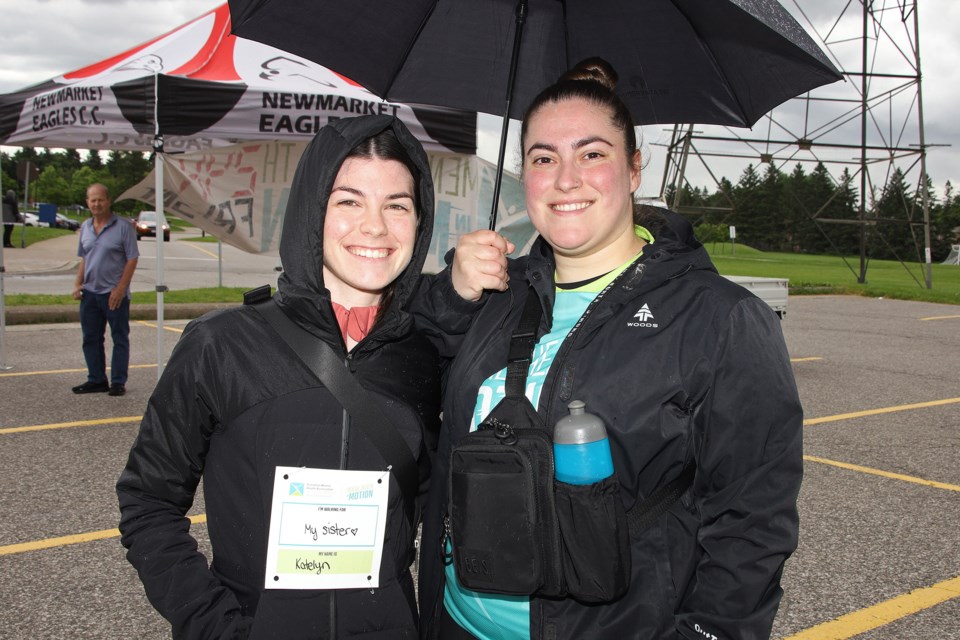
201 87
680 61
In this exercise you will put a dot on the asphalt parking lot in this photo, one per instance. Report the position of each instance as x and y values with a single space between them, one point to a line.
880 503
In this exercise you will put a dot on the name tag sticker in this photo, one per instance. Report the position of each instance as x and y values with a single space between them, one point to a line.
326 529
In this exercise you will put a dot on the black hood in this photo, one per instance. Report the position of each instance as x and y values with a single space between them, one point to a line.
302 293
674 237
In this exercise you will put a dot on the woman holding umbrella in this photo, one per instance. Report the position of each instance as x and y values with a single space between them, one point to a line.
687 371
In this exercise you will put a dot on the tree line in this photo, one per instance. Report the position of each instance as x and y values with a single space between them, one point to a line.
63 176
815 213
771 210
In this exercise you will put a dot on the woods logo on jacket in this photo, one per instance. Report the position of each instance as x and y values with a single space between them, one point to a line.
643 318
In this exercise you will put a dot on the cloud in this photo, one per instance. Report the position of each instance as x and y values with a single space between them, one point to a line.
80 32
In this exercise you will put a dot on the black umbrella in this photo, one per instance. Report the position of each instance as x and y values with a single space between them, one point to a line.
679 61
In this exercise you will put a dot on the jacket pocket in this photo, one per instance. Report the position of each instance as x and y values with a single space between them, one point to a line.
677 416
596 541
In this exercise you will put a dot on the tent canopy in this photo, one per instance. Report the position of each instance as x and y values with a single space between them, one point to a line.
197 88
200 87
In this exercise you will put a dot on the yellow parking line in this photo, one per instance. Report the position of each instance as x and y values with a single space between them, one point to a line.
62 541
885 474
66 425
57 371
810 359
938 318
857 622
874 412
150 324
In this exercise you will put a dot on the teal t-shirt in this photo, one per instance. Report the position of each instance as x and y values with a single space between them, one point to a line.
490 616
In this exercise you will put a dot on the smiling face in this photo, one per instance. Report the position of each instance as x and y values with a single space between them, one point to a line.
579 183
369 230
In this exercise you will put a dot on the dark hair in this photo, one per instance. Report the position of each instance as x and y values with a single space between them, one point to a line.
649 217
386 146
593 80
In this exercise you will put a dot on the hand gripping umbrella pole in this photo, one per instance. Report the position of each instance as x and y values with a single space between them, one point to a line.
521 16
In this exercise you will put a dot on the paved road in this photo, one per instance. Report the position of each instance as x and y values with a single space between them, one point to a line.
880 503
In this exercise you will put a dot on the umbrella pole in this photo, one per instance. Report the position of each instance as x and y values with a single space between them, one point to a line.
514 60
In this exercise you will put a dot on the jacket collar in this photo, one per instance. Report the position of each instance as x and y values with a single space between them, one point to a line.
674 252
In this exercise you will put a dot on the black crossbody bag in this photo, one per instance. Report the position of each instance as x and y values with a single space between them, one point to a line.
365 414
513 528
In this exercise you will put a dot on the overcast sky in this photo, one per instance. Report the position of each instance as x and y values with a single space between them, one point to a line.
45 38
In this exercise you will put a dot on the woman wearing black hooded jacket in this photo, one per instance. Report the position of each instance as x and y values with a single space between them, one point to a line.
235 402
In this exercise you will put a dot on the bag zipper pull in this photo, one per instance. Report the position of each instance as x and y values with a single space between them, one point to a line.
445 538
504 433
501 430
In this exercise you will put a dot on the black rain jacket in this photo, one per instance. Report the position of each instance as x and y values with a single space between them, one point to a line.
234 402
700 375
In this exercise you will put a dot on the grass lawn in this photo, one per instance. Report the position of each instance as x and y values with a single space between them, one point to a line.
210 294
33 235
830 274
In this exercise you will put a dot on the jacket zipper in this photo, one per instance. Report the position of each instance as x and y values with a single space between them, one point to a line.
567 345
445 537
344 441
560 360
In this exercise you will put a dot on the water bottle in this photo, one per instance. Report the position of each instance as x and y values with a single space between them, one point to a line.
581 451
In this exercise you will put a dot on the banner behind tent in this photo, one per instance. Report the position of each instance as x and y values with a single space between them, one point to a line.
239 194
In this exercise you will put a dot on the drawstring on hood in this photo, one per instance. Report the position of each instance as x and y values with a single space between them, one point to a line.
301 291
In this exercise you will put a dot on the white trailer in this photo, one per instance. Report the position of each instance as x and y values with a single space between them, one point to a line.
773 291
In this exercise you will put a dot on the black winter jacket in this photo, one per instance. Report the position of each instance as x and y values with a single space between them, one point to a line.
234 402
701 376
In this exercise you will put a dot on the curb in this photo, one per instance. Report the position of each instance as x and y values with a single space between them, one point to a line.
54 270
39 314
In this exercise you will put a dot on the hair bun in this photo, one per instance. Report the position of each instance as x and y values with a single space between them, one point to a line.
592 70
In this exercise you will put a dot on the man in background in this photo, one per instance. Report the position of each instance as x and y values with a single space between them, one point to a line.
108 257
11 215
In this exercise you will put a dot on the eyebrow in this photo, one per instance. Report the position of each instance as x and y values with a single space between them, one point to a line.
359 193
577 144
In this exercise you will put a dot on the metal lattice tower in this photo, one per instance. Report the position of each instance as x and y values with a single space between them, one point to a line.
870 124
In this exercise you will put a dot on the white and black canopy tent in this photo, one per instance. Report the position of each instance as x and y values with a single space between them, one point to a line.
198 87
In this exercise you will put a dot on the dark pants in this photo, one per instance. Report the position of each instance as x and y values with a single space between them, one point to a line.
7 232
95 315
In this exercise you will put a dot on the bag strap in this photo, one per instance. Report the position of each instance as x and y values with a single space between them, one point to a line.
644 514
522 343
327 366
